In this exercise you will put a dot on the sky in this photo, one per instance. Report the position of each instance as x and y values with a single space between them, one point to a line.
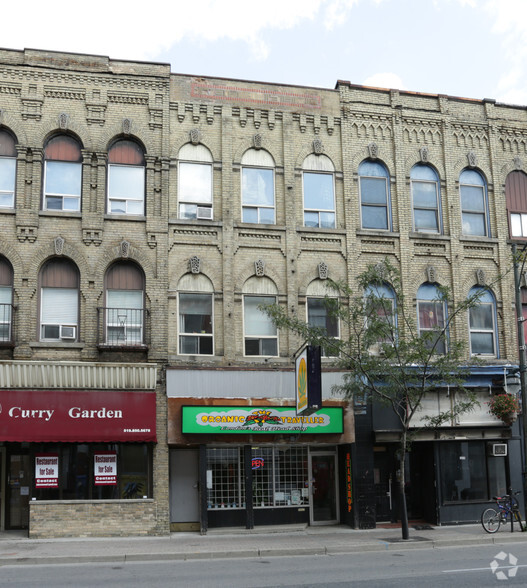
468 48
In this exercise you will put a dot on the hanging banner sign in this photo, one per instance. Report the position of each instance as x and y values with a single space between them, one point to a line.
105 468
265 419
308 378
46 470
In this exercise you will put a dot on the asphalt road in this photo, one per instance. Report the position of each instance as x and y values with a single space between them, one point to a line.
446 567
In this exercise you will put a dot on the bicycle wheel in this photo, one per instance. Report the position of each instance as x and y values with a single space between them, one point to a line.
491 520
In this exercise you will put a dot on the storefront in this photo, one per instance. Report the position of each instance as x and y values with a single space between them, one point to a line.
241 462
63 450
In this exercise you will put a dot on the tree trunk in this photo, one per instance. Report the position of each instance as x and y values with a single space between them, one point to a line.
402 495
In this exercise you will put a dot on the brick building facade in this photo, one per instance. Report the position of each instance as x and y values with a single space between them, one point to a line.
145 215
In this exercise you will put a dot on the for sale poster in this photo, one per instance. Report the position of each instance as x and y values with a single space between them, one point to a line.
105 468
46 470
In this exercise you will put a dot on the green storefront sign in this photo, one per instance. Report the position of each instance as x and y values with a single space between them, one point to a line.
260 419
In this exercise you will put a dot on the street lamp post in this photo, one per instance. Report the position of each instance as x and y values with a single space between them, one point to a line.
518 271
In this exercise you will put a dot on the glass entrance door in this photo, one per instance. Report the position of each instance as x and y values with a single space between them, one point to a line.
323 489
18 480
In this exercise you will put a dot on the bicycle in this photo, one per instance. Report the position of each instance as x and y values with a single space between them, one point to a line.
508 511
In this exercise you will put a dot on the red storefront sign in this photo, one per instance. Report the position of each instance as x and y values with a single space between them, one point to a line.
46 470
85 415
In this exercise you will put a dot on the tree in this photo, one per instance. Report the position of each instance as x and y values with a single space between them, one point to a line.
391 355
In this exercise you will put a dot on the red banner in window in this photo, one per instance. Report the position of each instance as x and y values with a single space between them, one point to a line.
77 416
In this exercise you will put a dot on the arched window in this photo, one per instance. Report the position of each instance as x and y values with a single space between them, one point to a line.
319 312
374 186
260 334
258 187
59 300
196 319
319 191
7 169
516 196
426 199
6 300
195 182
62 174
431 317
482 323
474 209
125 311
126 178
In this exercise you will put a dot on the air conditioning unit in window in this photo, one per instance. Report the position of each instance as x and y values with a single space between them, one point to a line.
67 331
499 449
204 212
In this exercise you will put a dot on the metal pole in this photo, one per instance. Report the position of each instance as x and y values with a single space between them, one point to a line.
521 352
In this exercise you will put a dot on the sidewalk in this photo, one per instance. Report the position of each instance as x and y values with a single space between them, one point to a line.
17 549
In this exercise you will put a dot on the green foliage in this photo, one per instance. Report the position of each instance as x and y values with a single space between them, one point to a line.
504 407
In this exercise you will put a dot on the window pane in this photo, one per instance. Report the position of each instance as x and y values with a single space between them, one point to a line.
118 206
311 219
257 186
7 200
374 217
474 224
318 316
195 313
195 182
7 174
430 315
126 182
59 306
269 347
424 194
124 299
373 190
188 211
327 220
135 207
257 322
516 225
250 215
63 178
472 198
318 191
267 216
54 202
482 343
425 220
524 224
481 317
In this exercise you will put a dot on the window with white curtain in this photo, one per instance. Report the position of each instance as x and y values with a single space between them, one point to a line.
126 178
62 174
59 301
318 181
258 200
195 182
7 170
